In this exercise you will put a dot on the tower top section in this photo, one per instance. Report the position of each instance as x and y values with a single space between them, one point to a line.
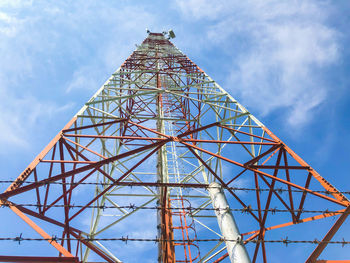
169 34
158 54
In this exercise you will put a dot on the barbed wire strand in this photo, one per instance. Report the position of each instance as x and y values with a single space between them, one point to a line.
189 208
130 184
285 240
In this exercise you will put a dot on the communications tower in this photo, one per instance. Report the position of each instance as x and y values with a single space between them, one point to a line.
163 165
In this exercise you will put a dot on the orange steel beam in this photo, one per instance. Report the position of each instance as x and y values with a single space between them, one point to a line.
170 230
19 180
257 158
168 234
149 129
95 166
337 201
37 259
24 175
85 148
109 123
94 248
339 196
308 219
318 250
159 139
44 218
39 230
221 258
85 242
246 133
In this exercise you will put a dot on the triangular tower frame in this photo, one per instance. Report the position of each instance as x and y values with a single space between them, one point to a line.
162 125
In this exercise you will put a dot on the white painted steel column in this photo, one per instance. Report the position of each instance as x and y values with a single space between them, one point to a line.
236 249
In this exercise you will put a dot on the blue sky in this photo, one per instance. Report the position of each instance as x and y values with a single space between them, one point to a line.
286 61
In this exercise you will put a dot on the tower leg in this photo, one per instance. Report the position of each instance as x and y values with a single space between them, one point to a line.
227 224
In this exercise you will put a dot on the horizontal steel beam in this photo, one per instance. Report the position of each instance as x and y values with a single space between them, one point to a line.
38 259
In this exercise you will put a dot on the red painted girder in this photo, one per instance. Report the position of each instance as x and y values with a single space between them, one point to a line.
117 180
85 148
246 133
37 159
221 258
159 139
37 259
277 195
43 217
290 194
94 248
39 230
267 206
71 229
67 161
257 158
279 167
229 142
339 196
198 129
79 170
268 175
93 125
304 220
328 237
220 180
69 191
302 200
113 137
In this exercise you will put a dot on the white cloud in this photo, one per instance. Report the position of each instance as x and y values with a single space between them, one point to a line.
19 115
21 108
283 46
201 8
9 24
31 40
15 3
281 70
113 48
84 78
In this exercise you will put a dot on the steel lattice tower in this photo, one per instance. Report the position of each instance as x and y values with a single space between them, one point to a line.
157 162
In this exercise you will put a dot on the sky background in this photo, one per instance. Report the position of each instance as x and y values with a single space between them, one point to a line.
286 61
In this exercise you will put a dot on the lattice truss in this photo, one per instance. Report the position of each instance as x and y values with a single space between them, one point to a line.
136 161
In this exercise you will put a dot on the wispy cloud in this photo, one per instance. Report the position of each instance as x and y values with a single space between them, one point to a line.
21 106
8 24
114 47
282 48
199 9
63 33
15 3
19 115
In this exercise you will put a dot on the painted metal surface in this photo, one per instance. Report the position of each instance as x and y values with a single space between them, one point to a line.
229 229
153 138
38 259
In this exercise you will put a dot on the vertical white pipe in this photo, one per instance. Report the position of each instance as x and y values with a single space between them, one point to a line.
235 248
